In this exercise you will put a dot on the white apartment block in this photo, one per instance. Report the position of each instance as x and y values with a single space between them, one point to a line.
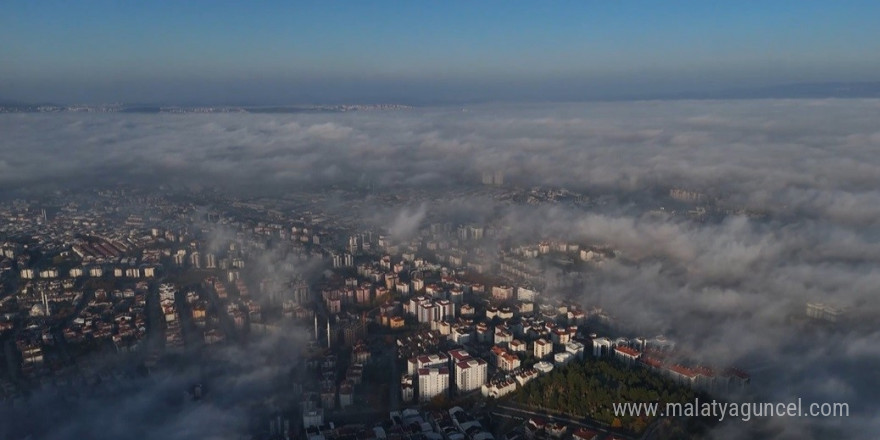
433 382
542 348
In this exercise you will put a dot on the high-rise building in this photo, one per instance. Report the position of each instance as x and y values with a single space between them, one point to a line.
493 178
576 349
446 309
525 294
428 312
499 178
196 260
433 382
407 390
503 337
179 257
300 292
542 348
487 178
824 312
470 372
505 360
210 261
502 293
426 361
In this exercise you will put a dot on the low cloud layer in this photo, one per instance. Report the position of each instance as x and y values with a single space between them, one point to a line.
124 403
726 290
813 156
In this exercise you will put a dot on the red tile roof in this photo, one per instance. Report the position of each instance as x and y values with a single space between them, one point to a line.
627 350
651 362
705 371
684 371
585 434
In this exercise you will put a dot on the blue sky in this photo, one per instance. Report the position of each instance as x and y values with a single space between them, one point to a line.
275 52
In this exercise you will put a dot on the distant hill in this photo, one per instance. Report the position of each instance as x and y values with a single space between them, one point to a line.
781 91
789 91
819 90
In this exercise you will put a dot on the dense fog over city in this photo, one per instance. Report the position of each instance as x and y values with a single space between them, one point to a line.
160 405
796 184
812 156
384 220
